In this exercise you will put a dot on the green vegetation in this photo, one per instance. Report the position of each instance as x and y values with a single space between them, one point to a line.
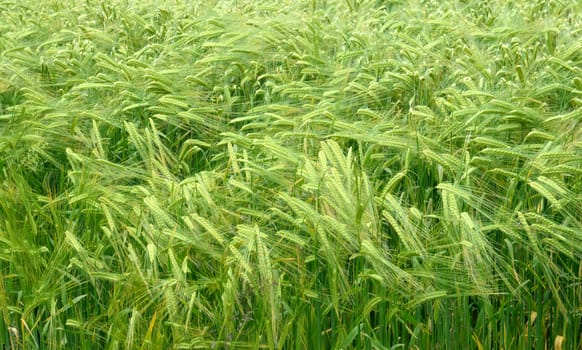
247 174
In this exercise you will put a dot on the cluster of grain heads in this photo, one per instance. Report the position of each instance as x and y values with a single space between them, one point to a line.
323 174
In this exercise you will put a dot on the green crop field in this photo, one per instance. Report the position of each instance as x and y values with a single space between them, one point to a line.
292 174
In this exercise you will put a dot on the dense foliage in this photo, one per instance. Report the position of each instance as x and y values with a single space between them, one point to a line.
319 174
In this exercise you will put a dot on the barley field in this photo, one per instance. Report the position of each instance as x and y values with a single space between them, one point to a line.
291 174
